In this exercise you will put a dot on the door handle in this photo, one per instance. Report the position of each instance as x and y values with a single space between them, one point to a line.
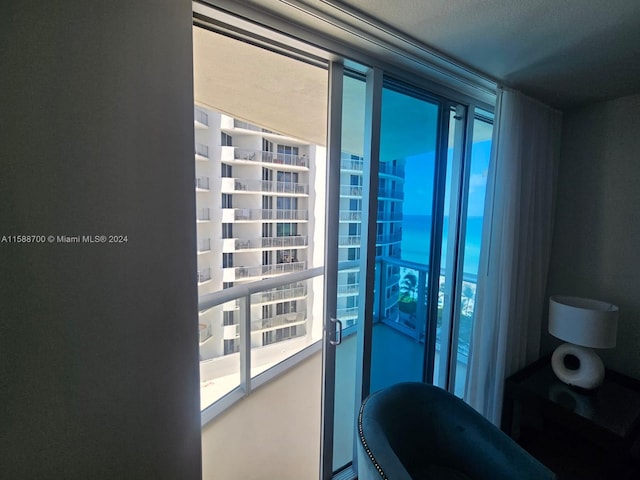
338 332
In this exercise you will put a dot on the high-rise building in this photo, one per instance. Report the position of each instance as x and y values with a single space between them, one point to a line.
388 233
255 199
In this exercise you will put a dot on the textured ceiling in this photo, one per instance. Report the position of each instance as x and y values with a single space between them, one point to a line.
566 53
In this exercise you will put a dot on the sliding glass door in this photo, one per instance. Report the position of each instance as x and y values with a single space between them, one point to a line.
404 235
409 202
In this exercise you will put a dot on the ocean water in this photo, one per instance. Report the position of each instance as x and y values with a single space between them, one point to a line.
416 239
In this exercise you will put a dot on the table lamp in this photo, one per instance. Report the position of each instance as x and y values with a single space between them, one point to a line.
585 324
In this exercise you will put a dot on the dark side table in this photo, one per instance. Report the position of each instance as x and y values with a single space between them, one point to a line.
608 416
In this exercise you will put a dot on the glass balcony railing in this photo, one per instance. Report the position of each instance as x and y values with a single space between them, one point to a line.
388 238
257 214
388 193
204 245
202 183
278 321
245 126
283 242
201 118
203 214
264 270
350 216
287 292
345 313
389 216
387 168
348 163
412 282
272 242
262 156
351 191
268 186
288 334
204 275
256 343
348 289
202 150
347 240
205 332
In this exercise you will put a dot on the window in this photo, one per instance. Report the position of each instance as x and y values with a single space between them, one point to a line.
286 307
225 139
226 200
227 260
289 155
286 229
354 254
231 346
226 171
227 318
227 230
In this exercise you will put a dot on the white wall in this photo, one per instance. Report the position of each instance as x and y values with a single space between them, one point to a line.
98 343
274 433
596 246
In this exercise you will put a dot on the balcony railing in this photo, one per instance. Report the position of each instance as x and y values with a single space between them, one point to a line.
204 275
201 117
282 320
262 156
350 191
387 168
263 270
268 186
204 245
283 242
388 193
348 289
350 216
416 289
270 214
272 242
344 313
348 163
205 332
245 126
389 238
280 294
202 150
389 216
221 377
202 183
251 359
203 214
347 240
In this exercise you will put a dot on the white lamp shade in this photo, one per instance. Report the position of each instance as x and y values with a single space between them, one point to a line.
583 321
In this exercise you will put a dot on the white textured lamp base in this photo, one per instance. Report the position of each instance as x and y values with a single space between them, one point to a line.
590 372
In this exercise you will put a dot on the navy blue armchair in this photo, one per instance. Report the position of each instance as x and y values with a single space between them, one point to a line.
415 431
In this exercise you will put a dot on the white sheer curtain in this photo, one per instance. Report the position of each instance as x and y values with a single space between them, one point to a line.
516 247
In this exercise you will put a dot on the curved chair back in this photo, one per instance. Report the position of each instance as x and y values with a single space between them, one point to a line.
417 431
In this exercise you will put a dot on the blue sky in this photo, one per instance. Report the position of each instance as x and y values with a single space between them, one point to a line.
418 185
